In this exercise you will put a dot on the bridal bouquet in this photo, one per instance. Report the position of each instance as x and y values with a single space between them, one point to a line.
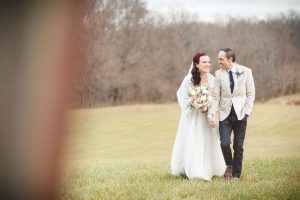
199 98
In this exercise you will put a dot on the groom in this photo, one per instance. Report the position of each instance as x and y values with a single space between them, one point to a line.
233 95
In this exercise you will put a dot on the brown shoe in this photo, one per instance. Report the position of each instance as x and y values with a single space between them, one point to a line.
228 172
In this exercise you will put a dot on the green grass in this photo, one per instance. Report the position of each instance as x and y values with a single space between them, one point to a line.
124 153
263 179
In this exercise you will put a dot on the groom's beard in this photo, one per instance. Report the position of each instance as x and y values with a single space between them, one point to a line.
222 67
225 67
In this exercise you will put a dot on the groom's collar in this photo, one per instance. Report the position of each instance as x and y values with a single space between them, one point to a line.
232 68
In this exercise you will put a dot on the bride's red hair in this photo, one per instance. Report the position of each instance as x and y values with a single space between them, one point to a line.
195 71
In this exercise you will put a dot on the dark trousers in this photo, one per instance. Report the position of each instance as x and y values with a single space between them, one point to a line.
231 123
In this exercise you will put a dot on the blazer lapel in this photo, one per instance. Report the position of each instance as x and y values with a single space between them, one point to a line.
210 81
225 80
238 78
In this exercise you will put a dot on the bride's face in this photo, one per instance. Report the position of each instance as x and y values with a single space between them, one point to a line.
204 64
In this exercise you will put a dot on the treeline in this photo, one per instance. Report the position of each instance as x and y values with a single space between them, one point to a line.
131 56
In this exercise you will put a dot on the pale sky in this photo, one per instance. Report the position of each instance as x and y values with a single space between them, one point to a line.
209 10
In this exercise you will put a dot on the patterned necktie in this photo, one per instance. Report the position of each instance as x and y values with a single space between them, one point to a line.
231 81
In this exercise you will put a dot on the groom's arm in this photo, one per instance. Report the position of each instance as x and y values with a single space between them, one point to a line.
216 93
250 92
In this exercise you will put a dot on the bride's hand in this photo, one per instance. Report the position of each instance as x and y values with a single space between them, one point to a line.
213 123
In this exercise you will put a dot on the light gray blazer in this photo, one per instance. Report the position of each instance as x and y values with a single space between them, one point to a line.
242 97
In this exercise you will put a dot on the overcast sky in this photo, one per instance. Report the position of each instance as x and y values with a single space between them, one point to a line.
209 10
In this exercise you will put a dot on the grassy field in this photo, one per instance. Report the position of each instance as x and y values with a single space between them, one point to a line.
124 153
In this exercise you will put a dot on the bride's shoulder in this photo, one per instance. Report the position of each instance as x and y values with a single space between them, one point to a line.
210 76
186 81
187 78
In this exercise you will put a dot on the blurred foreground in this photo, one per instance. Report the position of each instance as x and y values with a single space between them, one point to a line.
36 55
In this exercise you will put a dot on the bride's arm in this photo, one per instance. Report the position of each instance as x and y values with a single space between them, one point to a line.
182 93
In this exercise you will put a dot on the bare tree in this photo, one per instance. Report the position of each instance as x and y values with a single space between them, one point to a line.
131 56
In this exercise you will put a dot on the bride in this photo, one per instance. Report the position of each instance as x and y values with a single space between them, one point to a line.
196 152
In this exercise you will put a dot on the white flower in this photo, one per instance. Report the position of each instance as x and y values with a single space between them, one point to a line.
239 72
205 91
192 92
209 98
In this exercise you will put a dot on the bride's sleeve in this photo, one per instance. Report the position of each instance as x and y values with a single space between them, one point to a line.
182 93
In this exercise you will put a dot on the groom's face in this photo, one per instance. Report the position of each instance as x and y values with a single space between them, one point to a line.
223 61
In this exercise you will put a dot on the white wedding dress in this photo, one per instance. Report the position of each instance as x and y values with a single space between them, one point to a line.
196 152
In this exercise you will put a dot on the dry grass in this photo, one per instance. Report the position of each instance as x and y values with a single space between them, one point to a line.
124 153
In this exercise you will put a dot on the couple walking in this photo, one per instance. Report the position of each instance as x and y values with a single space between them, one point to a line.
202 145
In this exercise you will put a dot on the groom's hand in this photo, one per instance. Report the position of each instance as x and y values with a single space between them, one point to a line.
213 124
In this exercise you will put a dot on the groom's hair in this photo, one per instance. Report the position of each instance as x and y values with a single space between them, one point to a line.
229 53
